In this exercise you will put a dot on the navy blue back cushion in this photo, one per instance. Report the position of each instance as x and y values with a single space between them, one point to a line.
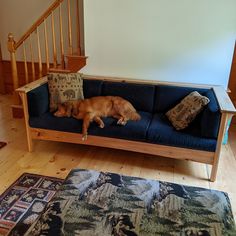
139 95
162 132
92 88
38 100
211 116
166 97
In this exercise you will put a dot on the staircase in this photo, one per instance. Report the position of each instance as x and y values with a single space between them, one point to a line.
54 43
74 63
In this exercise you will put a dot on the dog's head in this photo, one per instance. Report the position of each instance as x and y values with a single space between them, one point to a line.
67 109
61 110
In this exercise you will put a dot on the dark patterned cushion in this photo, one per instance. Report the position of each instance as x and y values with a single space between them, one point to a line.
64 87
185 112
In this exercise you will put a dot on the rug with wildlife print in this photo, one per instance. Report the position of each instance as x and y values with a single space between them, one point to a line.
95 203
24 201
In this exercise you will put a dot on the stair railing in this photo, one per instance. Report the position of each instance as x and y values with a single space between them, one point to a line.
39 65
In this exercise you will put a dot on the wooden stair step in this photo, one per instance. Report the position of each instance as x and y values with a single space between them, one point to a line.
75 62
59 70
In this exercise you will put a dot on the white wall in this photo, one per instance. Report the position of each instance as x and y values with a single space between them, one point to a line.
17 16
169 40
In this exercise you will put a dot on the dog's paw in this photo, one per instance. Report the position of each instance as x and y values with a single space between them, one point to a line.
84 137
121 122
101 126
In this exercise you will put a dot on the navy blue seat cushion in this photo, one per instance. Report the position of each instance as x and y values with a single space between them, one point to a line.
166 96
131 131
141 96
162 132
92 88
49 121
211 117
38 100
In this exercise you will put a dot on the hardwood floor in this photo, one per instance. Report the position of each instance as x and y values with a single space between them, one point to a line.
57 159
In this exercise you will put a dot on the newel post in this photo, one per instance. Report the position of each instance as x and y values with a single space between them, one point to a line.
11 49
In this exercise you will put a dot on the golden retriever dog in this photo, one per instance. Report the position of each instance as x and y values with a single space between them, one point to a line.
66 109
93 109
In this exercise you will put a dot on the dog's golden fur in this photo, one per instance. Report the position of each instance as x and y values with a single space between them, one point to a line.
66 109
93 109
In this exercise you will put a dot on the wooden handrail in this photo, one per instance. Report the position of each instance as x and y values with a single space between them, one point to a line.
37 23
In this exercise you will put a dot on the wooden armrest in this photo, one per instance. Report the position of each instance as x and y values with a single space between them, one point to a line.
223 99
30 86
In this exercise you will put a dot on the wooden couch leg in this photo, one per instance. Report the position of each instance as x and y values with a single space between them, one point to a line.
26 116
223 124
30 143
214 167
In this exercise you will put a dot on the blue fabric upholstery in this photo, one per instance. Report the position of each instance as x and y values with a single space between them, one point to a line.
92 88
131 131
201 134
211 116
166 97
141 96
162 132
38 100
49 121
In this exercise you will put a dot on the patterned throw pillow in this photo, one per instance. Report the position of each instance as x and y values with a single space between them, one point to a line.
64 87
185 112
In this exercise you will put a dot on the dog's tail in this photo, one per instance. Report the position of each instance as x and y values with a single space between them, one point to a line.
134 116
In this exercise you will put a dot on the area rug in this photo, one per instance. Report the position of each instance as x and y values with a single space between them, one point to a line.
2 144
93 203
22 203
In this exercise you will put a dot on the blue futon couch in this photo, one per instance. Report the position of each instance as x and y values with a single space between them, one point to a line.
153 134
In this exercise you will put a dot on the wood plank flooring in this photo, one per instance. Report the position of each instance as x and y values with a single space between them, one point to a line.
57 159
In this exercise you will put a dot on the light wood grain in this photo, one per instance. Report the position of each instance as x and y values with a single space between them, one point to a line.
32 58
69 27
46 43
25 65
57 159
61 38
224 121
223 99
78 26
11 49
39 54
143 147
30 86
54 41
26 117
